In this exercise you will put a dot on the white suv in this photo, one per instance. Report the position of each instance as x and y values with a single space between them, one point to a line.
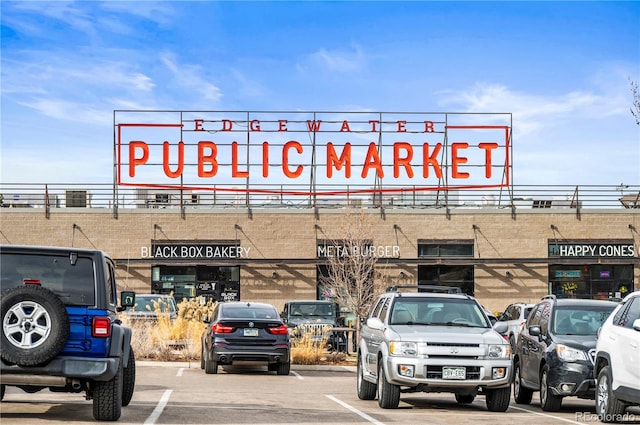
617 359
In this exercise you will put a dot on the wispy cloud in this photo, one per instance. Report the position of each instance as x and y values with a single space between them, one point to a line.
345 60
192 77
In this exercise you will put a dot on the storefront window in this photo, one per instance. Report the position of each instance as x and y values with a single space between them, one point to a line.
221 283
596 281
446 275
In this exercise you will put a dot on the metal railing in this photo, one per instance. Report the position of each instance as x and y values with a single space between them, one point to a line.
516 198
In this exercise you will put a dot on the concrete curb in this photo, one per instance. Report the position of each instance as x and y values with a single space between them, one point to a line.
195 364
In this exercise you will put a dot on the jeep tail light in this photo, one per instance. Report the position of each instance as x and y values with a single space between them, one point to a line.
278 330
101 327
219 328
31 281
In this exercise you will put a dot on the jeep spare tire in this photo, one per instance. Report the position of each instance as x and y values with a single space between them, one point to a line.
35 325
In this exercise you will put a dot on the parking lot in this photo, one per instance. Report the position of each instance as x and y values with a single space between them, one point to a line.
181 393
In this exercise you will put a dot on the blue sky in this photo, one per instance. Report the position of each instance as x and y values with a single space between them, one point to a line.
561 68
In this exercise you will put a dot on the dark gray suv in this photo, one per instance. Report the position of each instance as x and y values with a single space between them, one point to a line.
555 351
60 328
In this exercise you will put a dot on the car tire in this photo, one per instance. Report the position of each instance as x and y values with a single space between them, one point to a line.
283 368
549 402
202 352
210 366
521 394
366 390
107 398
129 379
465 398
30 311
497 400
388 394
608 407
2 390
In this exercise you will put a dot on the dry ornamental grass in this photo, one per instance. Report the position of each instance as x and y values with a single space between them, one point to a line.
163 339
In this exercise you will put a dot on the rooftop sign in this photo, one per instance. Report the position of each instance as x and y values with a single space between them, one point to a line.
311 153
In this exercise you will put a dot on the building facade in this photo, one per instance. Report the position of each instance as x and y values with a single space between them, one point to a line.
277 254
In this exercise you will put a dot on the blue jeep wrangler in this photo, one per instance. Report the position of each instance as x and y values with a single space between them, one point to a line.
60 328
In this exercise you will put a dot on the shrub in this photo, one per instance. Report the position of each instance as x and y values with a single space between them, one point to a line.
164 339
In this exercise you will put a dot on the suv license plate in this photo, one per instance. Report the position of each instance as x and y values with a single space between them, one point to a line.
251 332
454 373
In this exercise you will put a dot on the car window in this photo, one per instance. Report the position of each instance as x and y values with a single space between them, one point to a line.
384 309
375 310
438 311
248 312
579 320
73 283
527 311
545 314
631 313
154 304
534 319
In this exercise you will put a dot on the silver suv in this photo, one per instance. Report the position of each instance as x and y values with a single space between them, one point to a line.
432 342
617 361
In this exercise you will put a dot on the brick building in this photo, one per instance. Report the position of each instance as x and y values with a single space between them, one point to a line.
276 254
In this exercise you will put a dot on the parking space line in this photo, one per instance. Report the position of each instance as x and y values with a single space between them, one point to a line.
180 371
354 410
546 415
153 417
297 375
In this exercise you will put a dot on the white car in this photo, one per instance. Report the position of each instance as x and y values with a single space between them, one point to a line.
617 361
515 316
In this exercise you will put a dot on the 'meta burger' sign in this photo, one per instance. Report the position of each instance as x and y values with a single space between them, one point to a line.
332 153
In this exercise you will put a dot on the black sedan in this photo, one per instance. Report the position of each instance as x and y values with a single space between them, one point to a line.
245 332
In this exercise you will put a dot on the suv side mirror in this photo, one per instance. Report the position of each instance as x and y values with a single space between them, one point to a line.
535 331
127 300
375 323
501 327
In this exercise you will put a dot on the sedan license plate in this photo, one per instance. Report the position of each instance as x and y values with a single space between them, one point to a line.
251 332
454 373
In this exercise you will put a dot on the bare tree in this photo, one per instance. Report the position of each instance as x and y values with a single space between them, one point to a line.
635 109
351 278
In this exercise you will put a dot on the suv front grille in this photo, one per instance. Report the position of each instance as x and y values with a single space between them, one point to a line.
448 344
435 372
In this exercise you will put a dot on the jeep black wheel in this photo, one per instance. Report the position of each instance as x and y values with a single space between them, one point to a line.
129 378
388 394
107 398
521 394
498 400
548 401
202 357
608 407
366 390
35 325
465 398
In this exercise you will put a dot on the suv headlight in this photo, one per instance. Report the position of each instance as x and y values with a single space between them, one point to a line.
499 351
569 354
401 348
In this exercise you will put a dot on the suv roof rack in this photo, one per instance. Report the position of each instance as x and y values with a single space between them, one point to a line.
426 288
